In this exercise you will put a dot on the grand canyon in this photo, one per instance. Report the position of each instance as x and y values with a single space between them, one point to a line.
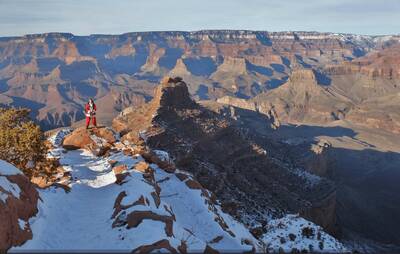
267 123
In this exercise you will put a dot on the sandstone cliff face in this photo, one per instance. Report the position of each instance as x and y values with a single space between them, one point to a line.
18 203
243 64
304 99
378 113
383 63
240 103
235 168
234 65
263 108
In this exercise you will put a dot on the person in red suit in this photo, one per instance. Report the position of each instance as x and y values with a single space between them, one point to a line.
90 111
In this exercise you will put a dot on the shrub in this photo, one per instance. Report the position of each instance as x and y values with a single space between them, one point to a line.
307 232
21 140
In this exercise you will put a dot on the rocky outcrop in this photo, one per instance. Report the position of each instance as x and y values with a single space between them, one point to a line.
97 140
180 69
123 50
384 63
323 213
378 113
264 108
18 203
236 102
151 65
303 99
233 65
222 158
136 217
319 161
157 246
132 121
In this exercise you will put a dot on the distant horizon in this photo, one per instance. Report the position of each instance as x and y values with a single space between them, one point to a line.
196 31
85 17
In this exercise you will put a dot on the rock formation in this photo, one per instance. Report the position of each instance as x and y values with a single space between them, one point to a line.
54 74
303 99
97 140
220 156
18 203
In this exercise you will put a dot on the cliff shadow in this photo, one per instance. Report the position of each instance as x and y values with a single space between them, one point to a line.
368 193
367 180
266 71
201 66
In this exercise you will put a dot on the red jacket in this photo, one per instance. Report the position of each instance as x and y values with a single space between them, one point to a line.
90 111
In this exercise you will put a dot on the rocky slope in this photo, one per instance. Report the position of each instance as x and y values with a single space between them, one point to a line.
325 96
18 204
136 199
54 74
304 99
251 184
204 137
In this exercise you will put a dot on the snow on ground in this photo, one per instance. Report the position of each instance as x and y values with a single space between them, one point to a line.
310 178
293 231
82 219
56 140
7 169
22 224
8 188
164 156
193 213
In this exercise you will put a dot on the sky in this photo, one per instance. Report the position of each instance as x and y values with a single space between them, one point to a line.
84 17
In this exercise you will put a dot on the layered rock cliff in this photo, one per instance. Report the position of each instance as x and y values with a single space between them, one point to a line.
123 69
303 98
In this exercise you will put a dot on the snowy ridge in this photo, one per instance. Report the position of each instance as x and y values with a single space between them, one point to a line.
88 210
148 207
293 232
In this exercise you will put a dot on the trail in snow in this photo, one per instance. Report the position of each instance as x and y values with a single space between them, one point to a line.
80 219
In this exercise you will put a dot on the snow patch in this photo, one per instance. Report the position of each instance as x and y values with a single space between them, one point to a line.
293 232
84 214
57 138
7 169
294 141
311 179
162 155
9 189
21 224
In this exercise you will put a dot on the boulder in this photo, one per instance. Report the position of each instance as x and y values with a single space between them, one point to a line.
142 167
157 246
192 184
41 181
120 169
97 140
137 217
121 173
